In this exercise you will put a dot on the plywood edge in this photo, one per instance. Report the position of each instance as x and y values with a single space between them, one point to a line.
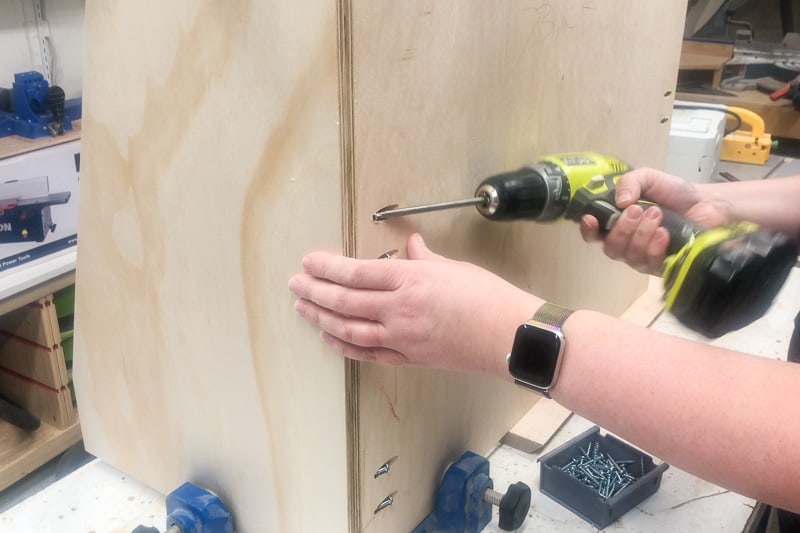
535 429
344 35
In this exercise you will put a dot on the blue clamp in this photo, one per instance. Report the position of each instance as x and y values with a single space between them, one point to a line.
30 108
195 510
465 498
460 506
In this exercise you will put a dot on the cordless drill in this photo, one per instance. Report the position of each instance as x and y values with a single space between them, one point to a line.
716 280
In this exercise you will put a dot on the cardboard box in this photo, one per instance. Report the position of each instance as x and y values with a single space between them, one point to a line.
38 205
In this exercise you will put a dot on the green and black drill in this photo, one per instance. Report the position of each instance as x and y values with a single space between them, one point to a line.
716 280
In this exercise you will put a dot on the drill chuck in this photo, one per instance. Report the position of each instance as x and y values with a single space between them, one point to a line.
539 192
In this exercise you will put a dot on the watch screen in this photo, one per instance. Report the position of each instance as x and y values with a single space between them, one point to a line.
535 355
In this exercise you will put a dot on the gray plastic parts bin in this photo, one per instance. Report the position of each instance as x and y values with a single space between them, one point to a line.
586 501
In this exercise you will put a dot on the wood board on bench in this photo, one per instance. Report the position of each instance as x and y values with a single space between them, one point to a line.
238 137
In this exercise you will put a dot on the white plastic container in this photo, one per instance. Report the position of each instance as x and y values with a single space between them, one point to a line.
695 138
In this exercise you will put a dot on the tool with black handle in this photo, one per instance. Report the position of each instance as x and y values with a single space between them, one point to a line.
20 417
716 280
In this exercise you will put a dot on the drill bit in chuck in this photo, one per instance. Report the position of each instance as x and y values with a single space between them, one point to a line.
392 211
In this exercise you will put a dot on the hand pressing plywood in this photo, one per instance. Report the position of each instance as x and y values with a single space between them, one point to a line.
238 136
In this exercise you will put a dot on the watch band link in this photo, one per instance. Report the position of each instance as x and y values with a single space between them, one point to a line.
552 314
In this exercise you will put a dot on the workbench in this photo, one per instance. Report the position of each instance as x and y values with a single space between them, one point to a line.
98 498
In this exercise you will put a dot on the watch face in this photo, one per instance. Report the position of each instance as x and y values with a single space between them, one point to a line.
535 355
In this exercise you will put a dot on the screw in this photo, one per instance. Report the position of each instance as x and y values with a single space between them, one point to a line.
384 468
600 471
386 502
513 505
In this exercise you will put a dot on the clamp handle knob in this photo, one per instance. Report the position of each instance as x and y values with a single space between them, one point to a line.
513 506
56 99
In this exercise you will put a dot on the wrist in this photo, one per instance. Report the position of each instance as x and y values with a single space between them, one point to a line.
506 330
538 349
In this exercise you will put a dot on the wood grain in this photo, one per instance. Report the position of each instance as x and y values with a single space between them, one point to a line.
210 165
458 91
239 136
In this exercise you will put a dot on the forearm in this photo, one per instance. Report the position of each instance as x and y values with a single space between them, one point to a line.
770 203
724 416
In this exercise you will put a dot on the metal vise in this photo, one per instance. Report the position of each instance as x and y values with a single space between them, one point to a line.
465 498
32 108
191 509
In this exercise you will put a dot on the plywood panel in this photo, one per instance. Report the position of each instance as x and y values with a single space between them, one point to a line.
238 136
210 165
445 94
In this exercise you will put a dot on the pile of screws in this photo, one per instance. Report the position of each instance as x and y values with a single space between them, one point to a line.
600 471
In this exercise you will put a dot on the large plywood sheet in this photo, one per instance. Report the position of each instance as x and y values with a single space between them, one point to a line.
211 164
445 94
238 136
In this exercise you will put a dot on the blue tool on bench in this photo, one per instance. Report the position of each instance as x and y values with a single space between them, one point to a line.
32 108
191 509
465 498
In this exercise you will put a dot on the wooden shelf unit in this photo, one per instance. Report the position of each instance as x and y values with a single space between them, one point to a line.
33 374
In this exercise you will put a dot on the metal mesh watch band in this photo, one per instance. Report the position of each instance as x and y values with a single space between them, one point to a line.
552 314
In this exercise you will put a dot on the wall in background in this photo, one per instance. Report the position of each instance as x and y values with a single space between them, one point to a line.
51 43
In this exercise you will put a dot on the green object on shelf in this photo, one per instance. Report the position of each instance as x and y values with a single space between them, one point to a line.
64 301
66 345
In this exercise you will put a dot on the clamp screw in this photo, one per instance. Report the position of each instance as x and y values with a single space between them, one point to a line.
513 505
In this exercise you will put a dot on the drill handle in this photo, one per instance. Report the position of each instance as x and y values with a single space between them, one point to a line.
681 229
603 208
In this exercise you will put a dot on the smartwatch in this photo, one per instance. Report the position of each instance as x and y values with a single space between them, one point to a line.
538 348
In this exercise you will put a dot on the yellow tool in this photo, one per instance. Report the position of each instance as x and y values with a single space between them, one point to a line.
715 280
746 146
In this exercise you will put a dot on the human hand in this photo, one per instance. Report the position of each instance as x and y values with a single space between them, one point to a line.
426 311
637 237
